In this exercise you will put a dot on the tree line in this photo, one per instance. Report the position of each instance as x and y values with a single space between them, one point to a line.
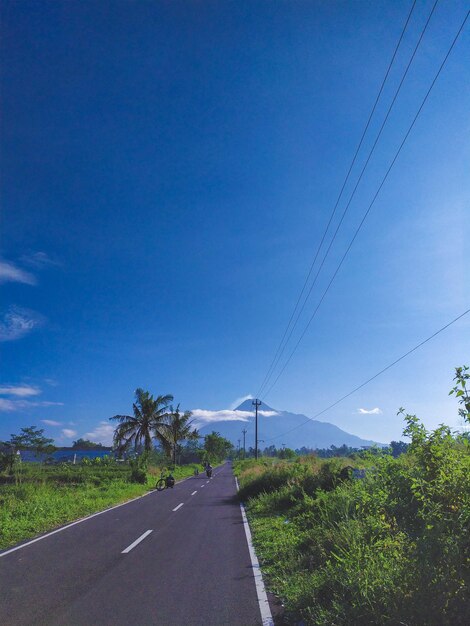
155 424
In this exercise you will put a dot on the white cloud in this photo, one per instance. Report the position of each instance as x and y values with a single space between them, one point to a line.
39 260
67 432
239 401
18 322
23 391
45 403
7 405
103 433
203 416
375 411
9 272
21 405
51 423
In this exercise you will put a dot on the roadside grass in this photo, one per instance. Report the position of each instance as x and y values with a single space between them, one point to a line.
302 474
392 548
45 497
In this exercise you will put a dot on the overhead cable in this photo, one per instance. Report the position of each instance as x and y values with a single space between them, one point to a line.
370 205
276 358
403 356
353 193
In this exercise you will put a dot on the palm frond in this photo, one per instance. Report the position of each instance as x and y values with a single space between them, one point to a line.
121 418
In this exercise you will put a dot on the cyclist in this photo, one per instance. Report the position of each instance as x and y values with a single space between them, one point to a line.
170 481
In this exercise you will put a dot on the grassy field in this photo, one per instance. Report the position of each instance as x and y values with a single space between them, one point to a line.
40 498
391 548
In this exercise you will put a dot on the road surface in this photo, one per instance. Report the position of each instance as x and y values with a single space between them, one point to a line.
175 558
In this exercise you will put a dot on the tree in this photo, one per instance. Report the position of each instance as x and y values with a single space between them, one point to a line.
398 447
32 438
286 453
191 452
180 429
270 451
86 444
216 447
461 378
148 422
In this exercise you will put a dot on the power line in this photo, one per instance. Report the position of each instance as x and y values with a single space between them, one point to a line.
403 356
370 205
353 193
276 358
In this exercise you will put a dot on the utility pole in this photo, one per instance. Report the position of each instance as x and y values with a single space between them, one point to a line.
256 403
238 454
244 447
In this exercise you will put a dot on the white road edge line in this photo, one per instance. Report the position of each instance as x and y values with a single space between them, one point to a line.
194 493
265 610
82 519
179 506
134 543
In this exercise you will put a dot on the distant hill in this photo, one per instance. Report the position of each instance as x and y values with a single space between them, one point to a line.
292 429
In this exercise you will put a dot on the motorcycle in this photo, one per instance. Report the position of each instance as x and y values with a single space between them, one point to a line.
209 472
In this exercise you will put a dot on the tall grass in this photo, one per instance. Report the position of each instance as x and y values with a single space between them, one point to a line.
393 548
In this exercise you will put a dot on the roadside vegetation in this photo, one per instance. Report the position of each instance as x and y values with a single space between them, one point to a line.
369 538
39 496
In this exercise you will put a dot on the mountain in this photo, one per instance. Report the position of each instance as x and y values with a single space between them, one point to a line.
282 428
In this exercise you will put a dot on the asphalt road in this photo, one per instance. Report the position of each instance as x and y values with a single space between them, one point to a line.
193 569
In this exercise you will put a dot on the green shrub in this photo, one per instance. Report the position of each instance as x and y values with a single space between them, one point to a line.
392 548
138 476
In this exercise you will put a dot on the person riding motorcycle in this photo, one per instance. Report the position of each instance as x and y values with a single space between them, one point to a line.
209 470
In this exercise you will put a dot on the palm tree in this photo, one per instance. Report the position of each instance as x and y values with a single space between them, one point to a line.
149 421
180 429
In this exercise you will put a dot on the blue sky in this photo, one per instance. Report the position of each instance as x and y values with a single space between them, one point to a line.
168 170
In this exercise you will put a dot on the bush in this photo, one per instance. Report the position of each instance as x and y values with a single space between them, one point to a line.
138 476
138 467
391 548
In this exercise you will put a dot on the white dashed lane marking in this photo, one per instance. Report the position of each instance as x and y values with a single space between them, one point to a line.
137 541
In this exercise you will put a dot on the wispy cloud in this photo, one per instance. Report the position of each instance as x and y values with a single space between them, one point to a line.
239 401
103 433
7 405
24 391
51 381
18 322
9 272
39 260
51 423
375 411
68 433
203 416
